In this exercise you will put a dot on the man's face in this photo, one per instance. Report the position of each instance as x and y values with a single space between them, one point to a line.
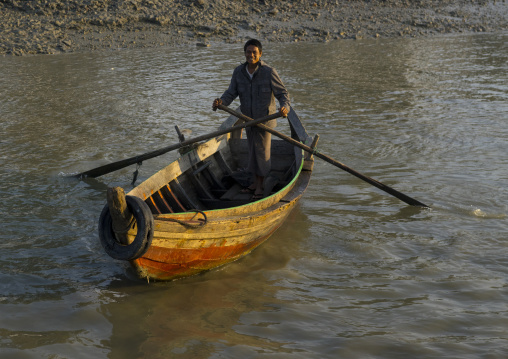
252 54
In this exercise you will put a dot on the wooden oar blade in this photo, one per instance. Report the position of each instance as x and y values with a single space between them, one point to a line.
403 197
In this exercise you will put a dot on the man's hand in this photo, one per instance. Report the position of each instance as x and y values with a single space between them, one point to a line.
284 111
216 103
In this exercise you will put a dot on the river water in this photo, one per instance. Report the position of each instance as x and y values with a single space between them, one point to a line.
354 273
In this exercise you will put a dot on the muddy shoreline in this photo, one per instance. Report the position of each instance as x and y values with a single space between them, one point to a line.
62 26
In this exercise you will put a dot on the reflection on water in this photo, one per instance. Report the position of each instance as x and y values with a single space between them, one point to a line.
194 317
354 273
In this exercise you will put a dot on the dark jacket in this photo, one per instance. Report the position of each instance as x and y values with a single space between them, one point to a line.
257 96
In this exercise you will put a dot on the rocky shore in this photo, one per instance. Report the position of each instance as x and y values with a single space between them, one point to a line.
59 26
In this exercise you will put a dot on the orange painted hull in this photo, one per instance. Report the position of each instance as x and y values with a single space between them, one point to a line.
221 241
172 263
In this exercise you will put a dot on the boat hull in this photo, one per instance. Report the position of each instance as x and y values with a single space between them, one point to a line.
175 253
199 218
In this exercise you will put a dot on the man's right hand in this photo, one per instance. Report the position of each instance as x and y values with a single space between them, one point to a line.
216 103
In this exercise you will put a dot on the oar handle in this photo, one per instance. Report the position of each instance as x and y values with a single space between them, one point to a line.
403 197
241 116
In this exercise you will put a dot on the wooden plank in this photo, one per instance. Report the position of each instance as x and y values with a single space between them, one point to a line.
210 176
201 189
166 204
232 192
153 206
228 231
223 164
201 168
178 167
190 204
213 179
173 198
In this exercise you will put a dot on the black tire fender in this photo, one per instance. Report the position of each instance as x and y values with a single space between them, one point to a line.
143 240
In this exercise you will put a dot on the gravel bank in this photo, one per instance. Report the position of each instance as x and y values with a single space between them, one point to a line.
57 26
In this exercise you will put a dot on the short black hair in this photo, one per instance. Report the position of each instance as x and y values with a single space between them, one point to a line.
253 42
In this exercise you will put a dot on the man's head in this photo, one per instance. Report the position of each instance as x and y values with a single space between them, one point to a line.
253 42
253 51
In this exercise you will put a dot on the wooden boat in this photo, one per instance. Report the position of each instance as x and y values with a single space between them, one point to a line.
191 216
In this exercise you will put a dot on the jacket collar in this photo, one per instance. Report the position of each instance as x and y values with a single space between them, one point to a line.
244 69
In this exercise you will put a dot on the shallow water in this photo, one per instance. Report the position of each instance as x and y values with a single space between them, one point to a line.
354 273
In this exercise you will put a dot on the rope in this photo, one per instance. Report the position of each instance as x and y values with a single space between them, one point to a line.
187 223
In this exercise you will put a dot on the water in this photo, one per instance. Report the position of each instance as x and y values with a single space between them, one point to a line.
354 273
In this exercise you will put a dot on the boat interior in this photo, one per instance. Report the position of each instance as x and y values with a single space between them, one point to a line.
216 180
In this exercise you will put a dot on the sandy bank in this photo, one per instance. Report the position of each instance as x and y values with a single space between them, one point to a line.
48 27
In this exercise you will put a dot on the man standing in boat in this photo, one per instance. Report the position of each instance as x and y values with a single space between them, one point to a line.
257 85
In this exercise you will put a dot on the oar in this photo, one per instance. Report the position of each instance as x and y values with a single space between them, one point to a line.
102 170
387 189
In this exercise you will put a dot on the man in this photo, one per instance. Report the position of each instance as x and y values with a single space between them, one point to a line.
257 85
